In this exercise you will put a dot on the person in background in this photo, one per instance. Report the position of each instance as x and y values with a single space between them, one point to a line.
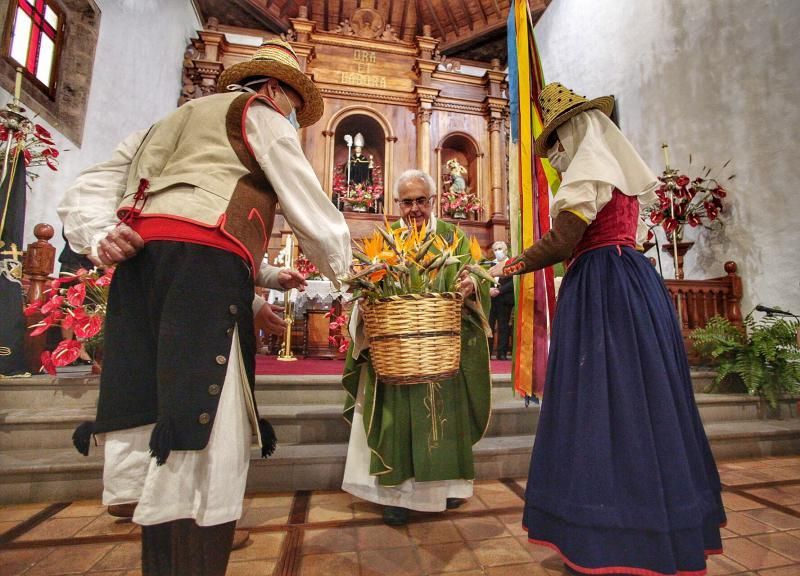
185 211
390 460
502 304
622 479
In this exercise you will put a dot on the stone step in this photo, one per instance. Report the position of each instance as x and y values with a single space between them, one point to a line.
57 474
43 391
316 423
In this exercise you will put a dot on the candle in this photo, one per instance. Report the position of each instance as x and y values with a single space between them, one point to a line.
18 86
665 148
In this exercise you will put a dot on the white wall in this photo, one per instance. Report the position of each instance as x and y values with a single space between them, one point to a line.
718 79
136 80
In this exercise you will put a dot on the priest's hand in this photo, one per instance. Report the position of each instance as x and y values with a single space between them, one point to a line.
268 320
289 279
119 245
497 270
466 285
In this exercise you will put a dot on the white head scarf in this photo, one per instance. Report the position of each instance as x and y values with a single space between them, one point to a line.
600 152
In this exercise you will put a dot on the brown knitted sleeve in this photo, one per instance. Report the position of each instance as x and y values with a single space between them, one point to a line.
554 247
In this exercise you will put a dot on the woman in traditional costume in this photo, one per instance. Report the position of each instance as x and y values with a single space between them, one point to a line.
622 479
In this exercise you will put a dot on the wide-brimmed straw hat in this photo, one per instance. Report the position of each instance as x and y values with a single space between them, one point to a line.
559 104
276 59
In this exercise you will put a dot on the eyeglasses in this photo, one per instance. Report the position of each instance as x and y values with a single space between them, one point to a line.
422 202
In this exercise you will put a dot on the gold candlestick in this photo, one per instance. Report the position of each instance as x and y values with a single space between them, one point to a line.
17 86
285 354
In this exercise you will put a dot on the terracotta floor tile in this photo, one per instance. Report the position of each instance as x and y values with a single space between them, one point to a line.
548 557
719 565
362 510
497 495
390 562
330 506
56 528
6 526
14 562
263 546
781 543
725 533
742 524
513 523
263 516
784 495
434 532
133 573
481 528
738 503
449 557
793 570
467 573
499 551
83 508
471 505
19 512
329 540
104 525
342 564
381 536
267 500
775 518
125 556
529 569
251 568
753 556
70 560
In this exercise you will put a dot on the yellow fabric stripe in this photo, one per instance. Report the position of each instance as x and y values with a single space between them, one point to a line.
579 215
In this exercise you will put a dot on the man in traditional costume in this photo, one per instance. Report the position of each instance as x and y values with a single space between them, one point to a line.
186 212
622 479
391 459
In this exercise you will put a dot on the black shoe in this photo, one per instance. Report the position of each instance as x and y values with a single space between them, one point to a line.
453 503
395 516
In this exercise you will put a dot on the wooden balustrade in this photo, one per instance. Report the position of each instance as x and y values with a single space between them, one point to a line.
37 269
700 300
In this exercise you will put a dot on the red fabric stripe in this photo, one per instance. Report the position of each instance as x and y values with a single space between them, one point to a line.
621 569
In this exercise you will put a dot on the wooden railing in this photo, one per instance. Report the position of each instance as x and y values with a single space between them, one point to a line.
37 269
697 301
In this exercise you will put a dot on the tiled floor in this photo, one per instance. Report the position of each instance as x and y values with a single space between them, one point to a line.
332 534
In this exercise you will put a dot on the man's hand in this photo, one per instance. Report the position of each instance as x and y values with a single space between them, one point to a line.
493 292
289 279
120 244
497 270
466 285
268 320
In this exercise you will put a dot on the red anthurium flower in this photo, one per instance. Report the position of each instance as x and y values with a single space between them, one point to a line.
88 326
693 220
711 210
41 131
32 308
682 180
56 283
106 278
47 363
343 346
66 352
656 217
670 224
719 192
76 295
650 235
54 303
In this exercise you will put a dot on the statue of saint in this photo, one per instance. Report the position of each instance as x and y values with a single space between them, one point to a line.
458 184
360 166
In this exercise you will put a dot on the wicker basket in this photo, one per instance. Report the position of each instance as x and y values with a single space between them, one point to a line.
414 338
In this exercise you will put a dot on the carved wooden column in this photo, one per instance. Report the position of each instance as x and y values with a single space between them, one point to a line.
327 179
426 96
388 176
303 28
495 107
424 137
40 259
496 164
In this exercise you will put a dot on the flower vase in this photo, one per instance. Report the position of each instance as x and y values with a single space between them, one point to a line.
680 252
359 208
460 215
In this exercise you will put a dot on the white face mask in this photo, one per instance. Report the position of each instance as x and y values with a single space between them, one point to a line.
559 159
500 254
292 117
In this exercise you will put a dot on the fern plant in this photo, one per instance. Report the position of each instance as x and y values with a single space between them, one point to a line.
765 356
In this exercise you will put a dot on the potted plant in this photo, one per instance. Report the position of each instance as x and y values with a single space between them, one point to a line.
764 358
76 302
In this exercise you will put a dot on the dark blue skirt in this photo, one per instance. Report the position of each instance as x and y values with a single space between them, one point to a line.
622 479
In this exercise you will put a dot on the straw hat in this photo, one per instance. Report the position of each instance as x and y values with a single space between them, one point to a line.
276 59
559 104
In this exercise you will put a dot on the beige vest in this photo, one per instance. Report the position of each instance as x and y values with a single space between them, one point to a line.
195 165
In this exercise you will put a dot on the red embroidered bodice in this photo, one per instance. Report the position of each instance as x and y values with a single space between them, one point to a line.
615 225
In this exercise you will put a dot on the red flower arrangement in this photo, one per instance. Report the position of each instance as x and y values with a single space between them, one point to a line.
458 203
77 302
306 267
358 195
35 142
696 202
336 337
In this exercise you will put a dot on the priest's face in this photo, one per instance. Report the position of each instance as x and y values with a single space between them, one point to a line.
415 203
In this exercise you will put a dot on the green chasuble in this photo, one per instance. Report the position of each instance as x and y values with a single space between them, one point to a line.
405 441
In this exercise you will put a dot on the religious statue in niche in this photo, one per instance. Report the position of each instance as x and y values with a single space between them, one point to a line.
358 182
458 200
